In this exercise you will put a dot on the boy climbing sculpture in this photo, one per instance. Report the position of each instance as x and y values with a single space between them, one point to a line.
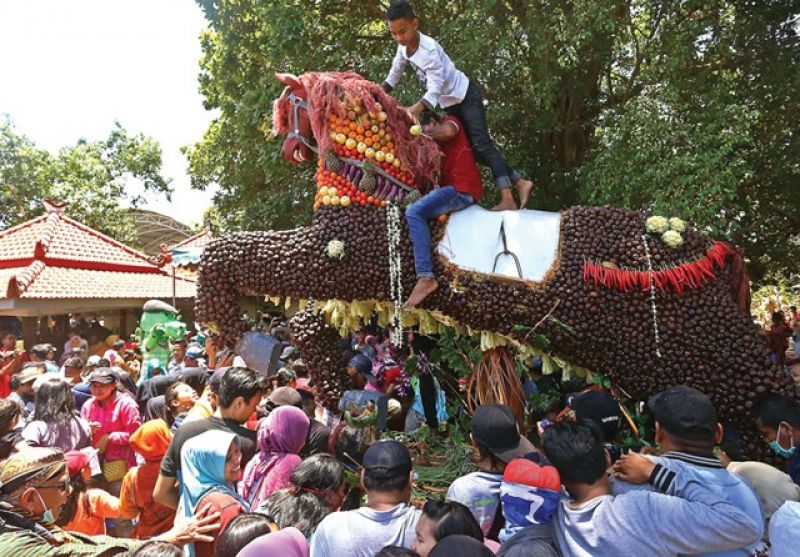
448 87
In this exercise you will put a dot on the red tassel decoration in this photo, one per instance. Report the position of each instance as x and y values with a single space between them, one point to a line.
676 279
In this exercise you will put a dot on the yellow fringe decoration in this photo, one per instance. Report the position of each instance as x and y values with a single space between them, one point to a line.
349 317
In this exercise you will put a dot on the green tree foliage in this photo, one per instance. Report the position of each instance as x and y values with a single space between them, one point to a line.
682 107
91 177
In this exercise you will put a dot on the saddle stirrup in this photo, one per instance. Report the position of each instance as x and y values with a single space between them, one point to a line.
506 251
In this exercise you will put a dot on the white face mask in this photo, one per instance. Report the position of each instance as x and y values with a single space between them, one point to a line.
47 516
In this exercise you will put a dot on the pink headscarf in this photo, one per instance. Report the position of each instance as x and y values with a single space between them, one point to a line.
280 437
288 542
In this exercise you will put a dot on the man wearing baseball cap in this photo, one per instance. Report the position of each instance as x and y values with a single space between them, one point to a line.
495 434
686 432
387 519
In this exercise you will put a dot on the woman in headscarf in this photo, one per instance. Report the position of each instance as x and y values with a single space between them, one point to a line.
280 437
210 464
151 441
34 486
288 542
195 377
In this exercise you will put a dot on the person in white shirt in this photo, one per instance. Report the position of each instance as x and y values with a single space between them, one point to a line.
448 87
386 520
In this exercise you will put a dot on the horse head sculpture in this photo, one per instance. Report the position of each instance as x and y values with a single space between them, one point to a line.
648 301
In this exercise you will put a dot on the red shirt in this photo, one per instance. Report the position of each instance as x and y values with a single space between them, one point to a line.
459 168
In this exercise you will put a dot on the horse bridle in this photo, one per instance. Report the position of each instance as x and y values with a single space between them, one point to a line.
297 104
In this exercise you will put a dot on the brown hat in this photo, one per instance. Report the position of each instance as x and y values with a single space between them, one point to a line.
30 373
31 467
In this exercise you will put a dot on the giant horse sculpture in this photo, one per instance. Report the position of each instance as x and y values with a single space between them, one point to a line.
611 290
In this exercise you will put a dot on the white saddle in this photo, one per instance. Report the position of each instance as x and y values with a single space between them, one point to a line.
518 244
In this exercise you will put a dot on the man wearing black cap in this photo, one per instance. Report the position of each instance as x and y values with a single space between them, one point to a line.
496 436
387 519
602 409
686 432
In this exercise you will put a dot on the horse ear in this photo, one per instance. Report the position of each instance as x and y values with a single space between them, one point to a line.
290 80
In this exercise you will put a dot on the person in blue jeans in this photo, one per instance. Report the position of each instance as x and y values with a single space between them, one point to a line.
460 173
446 86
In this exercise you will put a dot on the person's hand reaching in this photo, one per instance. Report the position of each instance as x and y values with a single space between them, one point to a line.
198 529
634 468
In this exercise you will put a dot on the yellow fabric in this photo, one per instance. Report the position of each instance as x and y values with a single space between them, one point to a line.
115 470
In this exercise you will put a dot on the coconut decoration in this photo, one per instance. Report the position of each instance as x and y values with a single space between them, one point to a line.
618 300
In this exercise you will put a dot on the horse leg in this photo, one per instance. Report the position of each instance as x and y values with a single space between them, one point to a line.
324 353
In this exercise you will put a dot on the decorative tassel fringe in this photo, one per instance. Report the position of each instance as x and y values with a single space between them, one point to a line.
677 279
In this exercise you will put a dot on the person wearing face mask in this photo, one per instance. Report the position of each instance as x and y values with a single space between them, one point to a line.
778 420
211 463
34 486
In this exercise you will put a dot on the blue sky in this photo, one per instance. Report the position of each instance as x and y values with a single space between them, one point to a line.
69 69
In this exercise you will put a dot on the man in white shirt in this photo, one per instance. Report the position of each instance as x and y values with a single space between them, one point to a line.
387 519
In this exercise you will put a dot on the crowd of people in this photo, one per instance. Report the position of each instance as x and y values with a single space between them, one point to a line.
209 457
101 454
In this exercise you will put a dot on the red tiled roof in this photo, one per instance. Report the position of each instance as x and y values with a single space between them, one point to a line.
55 257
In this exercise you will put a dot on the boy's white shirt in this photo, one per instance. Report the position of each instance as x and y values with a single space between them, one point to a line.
444 84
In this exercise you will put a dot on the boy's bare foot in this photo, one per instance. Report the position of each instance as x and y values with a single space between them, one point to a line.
507 202
424 287
524 188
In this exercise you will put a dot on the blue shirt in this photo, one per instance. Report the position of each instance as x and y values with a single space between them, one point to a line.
712 475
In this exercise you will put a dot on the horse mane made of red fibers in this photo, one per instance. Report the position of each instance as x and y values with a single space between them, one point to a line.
326 91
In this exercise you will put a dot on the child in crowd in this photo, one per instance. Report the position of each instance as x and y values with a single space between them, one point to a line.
85 510
529 496
448 87
441 519
496 436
